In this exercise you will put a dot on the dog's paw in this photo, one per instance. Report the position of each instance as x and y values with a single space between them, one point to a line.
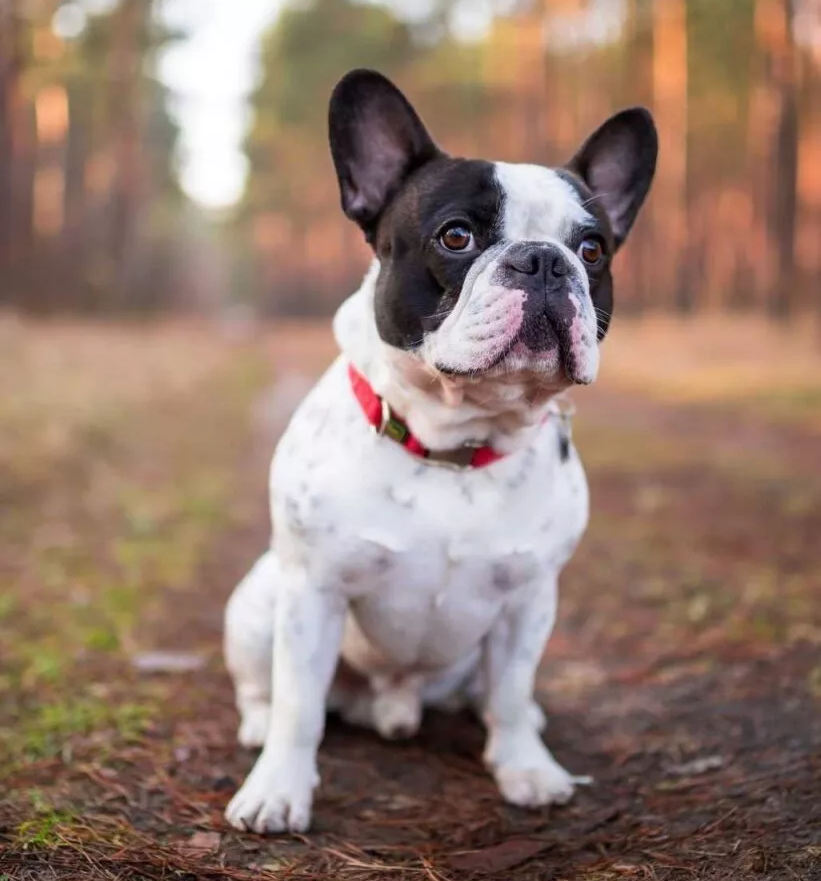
546 784
276 797
254 725
397 714
525 771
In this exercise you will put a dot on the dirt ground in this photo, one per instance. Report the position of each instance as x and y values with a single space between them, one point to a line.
684 673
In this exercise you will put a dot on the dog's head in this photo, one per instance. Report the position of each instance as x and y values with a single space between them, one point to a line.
488 267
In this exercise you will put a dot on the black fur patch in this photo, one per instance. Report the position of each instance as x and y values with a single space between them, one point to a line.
601 279
420 281
564 446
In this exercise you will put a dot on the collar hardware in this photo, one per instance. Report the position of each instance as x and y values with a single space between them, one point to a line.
390 426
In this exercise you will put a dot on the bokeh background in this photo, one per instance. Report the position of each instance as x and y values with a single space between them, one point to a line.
171 249
171 154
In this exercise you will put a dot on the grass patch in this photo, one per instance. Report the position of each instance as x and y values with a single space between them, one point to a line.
48 729
132 456
44 831
8 603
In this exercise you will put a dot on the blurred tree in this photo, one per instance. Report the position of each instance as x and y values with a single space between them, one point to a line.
302 57
785 153
125 113
308 256
91 216
291 187
92 154
15 141
670 81
724 81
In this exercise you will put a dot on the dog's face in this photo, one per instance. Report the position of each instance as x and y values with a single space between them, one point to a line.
488 267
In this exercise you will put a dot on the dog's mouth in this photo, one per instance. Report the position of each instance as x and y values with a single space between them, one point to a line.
493 364
546 351
510 332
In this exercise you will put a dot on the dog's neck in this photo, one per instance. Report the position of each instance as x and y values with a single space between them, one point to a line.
443 412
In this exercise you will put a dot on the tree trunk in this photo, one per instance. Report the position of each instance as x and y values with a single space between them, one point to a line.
16 164
783 204
125 115
674 274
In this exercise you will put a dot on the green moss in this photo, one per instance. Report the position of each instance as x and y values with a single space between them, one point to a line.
43 832
44 665
48 728
45 829
8 603
101 639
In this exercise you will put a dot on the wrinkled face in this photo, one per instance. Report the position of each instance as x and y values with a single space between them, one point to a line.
488 267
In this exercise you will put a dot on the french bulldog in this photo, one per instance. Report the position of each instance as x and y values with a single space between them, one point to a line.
426 493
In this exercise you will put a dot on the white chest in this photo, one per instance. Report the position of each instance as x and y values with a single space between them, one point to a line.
428 609
427 557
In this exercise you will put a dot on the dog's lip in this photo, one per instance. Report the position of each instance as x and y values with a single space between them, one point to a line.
572 376
503 353
473 371
567 357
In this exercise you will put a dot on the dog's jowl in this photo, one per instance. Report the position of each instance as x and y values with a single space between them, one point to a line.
426 493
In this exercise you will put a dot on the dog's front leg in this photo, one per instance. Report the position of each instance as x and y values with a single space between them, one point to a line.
525 771
278 792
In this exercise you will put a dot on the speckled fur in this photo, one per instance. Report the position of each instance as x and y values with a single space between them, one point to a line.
433 586
414 573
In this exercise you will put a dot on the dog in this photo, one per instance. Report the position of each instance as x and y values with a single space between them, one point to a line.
426 492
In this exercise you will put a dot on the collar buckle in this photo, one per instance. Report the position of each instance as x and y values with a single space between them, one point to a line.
384 417
390 426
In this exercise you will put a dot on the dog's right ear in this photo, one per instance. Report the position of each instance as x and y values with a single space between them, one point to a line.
377 140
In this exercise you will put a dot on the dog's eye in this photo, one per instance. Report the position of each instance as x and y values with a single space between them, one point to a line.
456 237
591 251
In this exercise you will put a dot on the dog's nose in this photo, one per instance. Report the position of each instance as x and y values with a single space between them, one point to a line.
543 272
537 259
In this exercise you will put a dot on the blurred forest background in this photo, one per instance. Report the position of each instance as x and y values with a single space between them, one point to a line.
167 160
93 216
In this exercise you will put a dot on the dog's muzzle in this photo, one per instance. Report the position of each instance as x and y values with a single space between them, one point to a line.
544 273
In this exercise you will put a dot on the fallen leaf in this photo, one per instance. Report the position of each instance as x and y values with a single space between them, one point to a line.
697 766
499 857
201 843
397 802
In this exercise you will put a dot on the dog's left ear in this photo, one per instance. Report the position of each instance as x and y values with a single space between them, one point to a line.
377 140
617 162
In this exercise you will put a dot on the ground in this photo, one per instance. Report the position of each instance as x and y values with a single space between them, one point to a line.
684 673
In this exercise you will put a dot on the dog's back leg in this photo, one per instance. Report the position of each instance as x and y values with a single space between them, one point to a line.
248 645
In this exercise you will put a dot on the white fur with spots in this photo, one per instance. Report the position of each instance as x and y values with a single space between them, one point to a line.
436 586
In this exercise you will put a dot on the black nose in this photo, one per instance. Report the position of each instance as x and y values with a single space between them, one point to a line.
545 275
544 261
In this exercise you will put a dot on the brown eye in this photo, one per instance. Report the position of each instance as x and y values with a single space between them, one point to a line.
456 238
591 251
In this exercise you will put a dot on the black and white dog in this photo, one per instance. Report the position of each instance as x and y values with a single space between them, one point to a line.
426 493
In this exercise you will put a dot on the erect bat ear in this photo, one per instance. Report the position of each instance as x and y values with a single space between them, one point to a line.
377 140
617 162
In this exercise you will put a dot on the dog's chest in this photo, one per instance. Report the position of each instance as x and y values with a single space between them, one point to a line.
429 608
427 556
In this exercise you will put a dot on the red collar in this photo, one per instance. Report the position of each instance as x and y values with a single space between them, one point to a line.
378 412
